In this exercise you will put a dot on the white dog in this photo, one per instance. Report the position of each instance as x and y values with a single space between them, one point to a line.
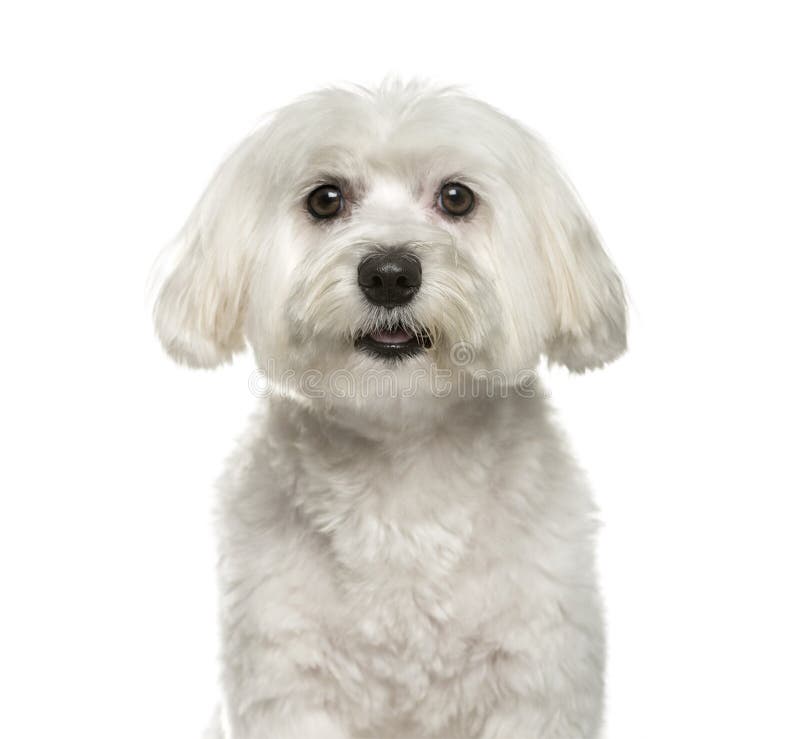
406 544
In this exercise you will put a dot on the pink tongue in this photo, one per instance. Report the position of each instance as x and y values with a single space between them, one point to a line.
391 337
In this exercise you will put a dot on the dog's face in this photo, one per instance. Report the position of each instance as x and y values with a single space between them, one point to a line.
396 230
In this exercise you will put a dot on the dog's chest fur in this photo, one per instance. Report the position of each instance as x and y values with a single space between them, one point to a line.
379 578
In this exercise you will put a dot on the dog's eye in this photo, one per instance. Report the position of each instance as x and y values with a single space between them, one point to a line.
456 199
325 202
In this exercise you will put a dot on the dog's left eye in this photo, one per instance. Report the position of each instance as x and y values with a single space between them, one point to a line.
456 199
325 202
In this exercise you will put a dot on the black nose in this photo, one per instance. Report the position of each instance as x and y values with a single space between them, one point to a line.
390 279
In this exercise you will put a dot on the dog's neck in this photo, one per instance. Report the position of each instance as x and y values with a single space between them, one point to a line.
373 495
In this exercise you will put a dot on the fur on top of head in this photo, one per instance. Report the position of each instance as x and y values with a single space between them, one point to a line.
521 275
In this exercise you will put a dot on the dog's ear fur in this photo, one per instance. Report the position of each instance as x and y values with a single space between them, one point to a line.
199 310
588 326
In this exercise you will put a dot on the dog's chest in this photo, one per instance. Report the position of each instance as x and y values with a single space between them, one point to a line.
403 544
407 627
399 642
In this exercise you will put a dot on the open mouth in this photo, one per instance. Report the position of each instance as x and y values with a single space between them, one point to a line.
394 343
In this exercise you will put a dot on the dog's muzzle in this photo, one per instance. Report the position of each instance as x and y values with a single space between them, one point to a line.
391 280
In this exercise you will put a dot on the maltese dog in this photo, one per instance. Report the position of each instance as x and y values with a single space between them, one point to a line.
406 544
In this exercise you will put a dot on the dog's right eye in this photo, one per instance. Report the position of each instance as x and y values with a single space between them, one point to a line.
325 202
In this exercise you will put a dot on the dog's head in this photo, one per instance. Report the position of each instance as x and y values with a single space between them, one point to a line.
398 229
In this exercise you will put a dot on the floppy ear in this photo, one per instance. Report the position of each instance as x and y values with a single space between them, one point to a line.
588 326
200 306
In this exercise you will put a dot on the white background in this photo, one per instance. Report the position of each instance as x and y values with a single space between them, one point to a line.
679 125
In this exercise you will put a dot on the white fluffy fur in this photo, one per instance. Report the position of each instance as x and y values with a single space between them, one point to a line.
416 567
